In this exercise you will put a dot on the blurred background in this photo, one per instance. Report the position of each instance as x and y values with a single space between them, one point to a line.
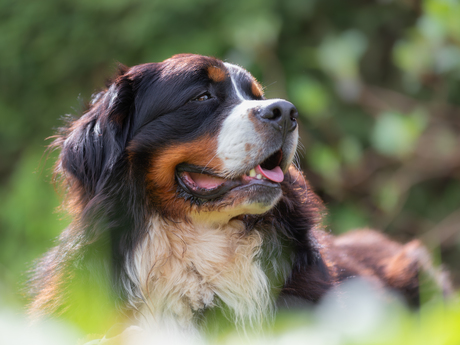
377 84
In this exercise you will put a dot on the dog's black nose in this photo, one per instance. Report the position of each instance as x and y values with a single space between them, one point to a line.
280 114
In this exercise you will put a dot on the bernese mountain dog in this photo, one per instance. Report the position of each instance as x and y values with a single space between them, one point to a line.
183 193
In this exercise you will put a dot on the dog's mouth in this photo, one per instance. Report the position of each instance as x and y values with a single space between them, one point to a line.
203 183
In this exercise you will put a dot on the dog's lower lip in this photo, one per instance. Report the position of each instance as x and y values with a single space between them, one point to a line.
184 178
204 183
186 182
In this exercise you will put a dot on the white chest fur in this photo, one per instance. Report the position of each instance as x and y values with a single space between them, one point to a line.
182 268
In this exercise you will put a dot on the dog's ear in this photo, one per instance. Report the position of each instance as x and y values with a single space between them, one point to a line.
92 145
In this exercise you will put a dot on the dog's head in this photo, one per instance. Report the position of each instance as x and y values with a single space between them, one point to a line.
195 133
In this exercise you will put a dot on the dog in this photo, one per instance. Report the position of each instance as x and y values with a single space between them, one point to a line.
181 183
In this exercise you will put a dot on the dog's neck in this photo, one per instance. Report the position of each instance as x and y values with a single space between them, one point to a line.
182 269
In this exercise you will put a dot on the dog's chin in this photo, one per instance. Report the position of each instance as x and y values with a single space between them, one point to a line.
255 198
247 200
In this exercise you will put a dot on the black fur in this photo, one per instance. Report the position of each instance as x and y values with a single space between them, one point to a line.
104 161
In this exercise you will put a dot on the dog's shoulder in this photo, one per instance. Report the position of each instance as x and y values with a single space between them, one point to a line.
323 260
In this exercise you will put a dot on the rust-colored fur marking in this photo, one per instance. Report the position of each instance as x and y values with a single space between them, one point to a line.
161 175
256 89
49 297
216 74
248 147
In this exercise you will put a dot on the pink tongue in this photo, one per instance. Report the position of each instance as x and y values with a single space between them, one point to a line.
275 175
206 181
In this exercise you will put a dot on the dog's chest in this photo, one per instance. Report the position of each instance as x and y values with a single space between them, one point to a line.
184 268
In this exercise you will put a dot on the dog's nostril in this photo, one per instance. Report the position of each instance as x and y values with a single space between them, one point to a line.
281 114
272 114
276 113
294 114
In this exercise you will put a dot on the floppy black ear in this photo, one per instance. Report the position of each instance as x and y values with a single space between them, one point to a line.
92 145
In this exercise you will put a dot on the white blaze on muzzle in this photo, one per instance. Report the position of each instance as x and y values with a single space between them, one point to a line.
239 141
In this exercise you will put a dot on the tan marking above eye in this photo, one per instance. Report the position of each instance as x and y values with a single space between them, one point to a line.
216 74
256 89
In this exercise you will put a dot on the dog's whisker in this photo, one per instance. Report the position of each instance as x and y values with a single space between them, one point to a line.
209 162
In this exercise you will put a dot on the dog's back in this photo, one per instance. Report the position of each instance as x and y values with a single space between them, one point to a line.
185 198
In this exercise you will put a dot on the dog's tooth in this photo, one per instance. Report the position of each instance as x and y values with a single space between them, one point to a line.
259 176
252 173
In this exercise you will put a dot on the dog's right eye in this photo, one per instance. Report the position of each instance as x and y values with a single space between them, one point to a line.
203 97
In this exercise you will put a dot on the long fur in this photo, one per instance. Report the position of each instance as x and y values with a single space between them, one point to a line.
165 255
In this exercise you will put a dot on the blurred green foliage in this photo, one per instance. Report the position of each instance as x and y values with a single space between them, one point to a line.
376 83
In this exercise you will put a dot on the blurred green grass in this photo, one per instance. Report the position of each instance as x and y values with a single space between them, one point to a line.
355 314
376 83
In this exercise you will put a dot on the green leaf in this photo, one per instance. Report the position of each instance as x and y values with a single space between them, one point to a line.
396 134
310 97
339 55
325 161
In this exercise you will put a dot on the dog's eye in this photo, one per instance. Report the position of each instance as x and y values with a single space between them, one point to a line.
203 97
